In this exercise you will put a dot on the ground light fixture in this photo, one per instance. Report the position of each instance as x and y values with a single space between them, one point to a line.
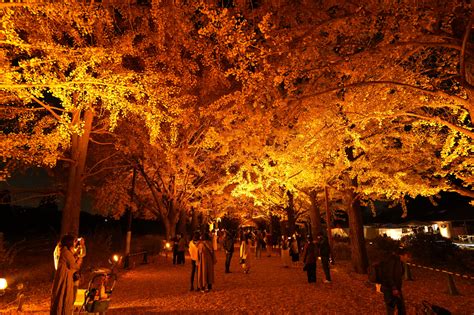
3 285
116 258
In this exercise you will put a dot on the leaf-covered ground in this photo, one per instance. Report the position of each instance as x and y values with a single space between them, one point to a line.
161 287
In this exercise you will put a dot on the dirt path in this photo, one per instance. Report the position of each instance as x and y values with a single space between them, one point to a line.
161 287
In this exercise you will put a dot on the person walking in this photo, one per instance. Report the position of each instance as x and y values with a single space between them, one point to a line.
193 253
310 254
206 261
324 253
62 294
245 253
229 249
391 273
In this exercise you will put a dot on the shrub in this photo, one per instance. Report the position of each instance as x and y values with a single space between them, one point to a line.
341 251
429 248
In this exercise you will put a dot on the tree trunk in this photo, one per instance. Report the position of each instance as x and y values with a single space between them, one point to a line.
194 220
72 205
356 234
183 219
328 218
314 214
290 212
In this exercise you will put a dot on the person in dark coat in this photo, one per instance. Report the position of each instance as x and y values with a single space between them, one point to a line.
324 253
62 294
206 262
229 249
391 273
181 248
309 259
175 241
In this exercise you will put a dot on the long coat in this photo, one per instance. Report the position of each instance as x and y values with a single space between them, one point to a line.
205 264
62 295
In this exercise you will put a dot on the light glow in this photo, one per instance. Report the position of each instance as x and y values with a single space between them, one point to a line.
3 283
167 245
116 258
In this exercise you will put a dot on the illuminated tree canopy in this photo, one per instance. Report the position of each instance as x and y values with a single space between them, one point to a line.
269 101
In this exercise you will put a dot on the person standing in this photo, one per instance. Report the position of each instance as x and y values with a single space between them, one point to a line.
324 253
391 273
229 249
309 259
175 241
62 294
181 248
285 251
245 253
294 251
193 253
258 244
214 240
206 261
268 243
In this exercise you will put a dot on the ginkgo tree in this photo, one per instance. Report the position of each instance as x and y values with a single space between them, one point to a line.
70 80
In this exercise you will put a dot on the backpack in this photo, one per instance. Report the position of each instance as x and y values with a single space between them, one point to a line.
374 273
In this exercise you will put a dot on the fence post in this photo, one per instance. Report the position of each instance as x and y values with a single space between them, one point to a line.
452 290
145 258
407 274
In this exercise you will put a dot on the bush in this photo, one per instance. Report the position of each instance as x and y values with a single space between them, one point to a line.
429 248
341 251
435 250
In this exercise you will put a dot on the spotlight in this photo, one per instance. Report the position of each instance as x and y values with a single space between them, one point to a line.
116 258
3 284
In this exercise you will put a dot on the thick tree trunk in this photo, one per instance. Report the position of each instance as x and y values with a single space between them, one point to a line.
290 212
356 234
72 205
328 218
194 220
183 219
314 214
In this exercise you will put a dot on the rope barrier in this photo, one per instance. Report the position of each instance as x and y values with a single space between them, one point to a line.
444 271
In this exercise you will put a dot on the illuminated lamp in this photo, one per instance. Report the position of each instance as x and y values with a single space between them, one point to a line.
167 245
115 258
3 284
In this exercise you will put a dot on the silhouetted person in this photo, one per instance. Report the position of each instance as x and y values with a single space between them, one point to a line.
324 253
391 273
310 254
181 249
229 249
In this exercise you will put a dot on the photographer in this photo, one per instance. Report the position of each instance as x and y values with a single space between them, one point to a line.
63 292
